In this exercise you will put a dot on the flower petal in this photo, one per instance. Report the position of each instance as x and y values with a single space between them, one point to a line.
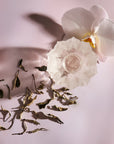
77 22
99 13
105 36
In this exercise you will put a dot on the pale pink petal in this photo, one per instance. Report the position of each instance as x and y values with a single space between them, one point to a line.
105 38
99 13
77 22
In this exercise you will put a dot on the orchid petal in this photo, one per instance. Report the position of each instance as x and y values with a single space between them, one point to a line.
99 14
77 22
105 36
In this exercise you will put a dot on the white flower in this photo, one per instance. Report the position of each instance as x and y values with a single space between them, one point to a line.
92 25
72 63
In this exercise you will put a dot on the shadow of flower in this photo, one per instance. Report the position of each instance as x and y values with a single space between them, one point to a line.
50 26
32 57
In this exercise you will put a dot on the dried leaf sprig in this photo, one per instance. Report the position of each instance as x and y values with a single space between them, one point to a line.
2 80
43 104
36 130
9 91
24 102
54 118
16 81
24 128
41 115
42 68
2 128
40 88
27 100
62 95
6 114
55 108
20 65
1 93
31 121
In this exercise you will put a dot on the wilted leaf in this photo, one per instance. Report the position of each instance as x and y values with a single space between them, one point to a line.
29 101
62 98
16 81
12 121
1 93
43 104
41 86
19 112
27 96
72 100
38 115
24 129
62 89
31 121
36 89
2 80
9 91
54 118
34 81
67 93
20 65
54 107
36 130
5 113
2 128
50 89
42 68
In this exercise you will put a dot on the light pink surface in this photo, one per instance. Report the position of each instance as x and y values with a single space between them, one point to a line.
91 121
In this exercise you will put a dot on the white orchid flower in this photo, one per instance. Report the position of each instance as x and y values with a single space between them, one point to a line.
92 26
72 63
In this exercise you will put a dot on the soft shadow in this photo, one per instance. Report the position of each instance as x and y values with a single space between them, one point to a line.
9 58
48 24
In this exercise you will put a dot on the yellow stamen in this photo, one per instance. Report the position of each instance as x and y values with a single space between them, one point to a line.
86 35
90 42
89 37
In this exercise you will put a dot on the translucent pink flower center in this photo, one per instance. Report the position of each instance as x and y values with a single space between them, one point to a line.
71 63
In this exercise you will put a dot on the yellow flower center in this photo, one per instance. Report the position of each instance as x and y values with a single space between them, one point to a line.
90 42
71 63
88 37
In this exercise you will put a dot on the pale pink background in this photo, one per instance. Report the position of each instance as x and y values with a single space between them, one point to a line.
91 121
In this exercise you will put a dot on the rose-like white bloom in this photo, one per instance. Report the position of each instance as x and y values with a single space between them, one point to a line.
72 63
92 25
